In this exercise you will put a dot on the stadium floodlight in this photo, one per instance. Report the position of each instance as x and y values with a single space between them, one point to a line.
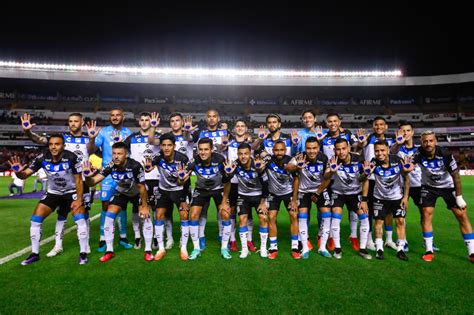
199 72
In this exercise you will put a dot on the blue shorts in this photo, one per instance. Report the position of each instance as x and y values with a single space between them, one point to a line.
107 188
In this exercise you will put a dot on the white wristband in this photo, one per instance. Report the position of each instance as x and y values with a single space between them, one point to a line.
460 202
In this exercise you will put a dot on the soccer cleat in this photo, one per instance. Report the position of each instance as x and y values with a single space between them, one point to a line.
251 246
125 244
371 245
233 246
355 243
295 253
169 244
195 254
401 255
263 252
331 245
202 243
435 248
138 243
55 252
83 259
108 256
183 255
471 258
337 253
380 255
31 259
365 254
391 245
273 254
324 253
428 256
244 254
160 254
148 256
310 246
225 254
102 247
305 255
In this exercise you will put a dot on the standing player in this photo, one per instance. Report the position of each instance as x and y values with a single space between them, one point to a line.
350 188
140 150
308 118
104 140
65 191
440 178
130 187
264 143
282 187
75 141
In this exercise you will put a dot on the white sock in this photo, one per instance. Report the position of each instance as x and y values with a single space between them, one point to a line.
219 224
401 245
294 241
202 225
109 230
59 231
81 232
336 229
148 233
184 234
379 244
325 228
250 232
353 223
159 229
194 231
273 243
364 230
263 237
303 230
169 229
243 237
428 236
469 240
232 230
35 233
136 224
388 233
226 226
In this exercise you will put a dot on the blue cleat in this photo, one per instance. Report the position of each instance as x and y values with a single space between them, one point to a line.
102 247
324 253
202 243
125 244
225 254
31 259
305 255
194 254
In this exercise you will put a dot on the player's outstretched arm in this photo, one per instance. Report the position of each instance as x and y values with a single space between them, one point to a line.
461 203
21 171
76 204
155 121
27 126
91 178
144 209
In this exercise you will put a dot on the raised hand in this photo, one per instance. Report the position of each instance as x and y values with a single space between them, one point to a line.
333 165
26 122
399 137
361 135
319 133
368 168
301 161
225 141
155 119
183 175
188 124
259 163
408 165
116 136
262 134
15 164
295 139
148 164
229 167
92 130
87 169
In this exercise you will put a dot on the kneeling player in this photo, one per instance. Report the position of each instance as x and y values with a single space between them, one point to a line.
65 191
130 187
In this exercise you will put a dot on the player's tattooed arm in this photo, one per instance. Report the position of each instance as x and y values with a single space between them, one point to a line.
27 126
457 182
406 191
144 210
294 197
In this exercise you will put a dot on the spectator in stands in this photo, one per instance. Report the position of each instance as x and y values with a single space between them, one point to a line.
16 184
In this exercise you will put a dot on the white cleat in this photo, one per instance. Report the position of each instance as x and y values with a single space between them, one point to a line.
169 244
263 252
244 254
371 245
55 252
391 245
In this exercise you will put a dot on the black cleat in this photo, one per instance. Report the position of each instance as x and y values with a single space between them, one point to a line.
401 255
380 254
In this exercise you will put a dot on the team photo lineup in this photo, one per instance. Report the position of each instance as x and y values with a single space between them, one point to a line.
366 177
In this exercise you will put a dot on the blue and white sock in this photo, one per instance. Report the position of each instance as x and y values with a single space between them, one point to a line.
263 237
59 231
428 236
389 233
294 241
109 230
226 227
303 230
273 243
232 230
336 229
148 233
102 222
81 231
243 237
35 232
159 229
194 231
364 230
136 224
123 223
325 228
184 234
469 240
353 218
250 232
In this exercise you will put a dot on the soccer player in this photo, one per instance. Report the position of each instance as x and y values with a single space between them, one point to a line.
75 141
263 144
252 191
311 167
380 127
103 140
440 178
65 191
282 187
391 191
140 150
350 188
210 183
308 117
170 164
130 188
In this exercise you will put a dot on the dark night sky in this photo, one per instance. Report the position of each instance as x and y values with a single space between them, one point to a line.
417 40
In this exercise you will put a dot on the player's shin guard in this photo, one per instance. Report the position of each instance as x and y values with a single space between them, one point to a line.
243 237
109 230
364 230
469 241
59 231
336 229
354 219
250 227
159 229
325 228
136 224
81 232
148 233
102 222
184 234
388 233
35 233
194 231
303 230
263 237
232 229
169 228
226 227
428 237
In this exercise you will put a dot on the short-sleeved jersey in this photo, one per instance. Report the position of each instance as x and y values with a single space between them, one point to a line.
168 170
183 146
388 180
104 141
127 177
210 176
415 175
250 182
77 145
328 141
215 135
140 150
232 155
435 172
304 134
61 179
268 143
280 181
369 149
346 179
311 177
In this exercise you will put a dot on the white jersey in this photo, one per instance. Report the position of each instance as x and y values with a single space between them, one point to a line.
77 145
369 149
140 150
415 175
184 146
